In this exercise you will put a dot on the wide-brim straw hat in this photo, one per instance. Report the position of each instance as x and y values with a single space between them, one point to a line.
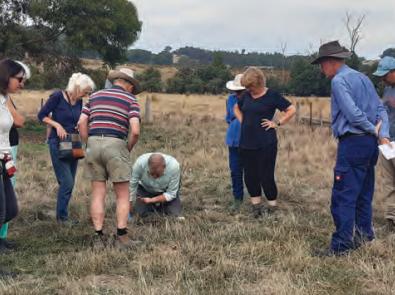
332 49
125 74
235 85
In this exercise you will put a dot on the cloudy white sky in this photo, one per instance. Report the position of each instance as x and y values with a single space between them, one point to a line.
262 25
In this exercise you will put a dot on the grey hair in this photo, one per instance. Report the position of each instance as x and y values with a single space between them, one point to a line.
79 81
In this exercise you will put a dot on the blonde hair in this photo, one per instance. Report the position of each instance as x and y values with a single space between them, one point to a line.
79 81
253 77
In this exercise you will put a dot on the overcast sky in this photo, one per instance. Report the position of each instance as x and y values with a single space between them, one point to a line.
262 25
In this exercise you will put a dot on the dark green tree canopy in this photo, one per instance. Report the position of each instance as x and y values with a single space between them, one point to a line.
150 80
202 79
68 26
306 79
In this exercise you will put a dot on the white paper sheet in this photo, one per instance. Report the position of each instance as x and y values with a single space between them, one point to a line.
387 151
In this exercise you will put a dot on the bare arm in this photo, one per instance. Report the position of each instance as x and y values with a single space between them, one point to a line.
134 132
238 113
59 128
158 199
19 120
288 114
83 127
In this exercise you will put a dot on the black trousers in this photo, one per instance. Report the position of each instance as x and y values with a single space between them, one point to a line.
8 203
259 168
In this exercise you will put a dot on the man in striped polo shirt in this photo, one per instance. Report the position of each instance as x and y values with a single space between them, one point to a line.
104 124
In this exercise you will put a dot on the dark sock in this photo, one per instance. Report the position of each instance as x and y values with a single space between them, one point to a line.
122 231
99 232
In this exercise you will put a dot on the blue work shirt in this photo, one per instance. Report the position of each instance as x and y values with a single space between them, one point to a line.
233 132
355 104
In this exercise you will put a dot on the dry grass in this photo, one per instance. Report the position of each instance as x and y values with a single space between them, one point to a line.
211 252
29 103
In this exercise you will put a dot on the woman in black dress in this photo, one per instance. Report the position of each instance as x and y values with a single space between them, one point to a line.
258 140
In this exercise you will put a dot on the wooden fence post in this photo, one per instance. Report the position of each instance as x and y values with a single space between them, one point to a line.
321 121
297 112
148 110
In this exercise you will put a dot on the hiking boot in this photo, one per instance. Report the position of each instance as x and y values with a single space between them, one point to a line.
4 274
360 241
68 222
3 248
235 207
99 242
124 242
391 225
271 210
257 210
7 244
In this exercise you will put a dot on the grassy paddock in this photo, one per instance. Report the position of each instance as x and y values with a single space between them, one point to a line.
29 102
211 252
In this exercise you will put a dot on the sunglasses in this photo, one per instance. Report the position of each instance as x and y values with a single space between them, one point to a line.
20 79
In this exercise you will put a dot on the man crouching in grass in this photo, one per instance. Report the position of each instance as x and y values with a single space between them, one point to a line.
155 185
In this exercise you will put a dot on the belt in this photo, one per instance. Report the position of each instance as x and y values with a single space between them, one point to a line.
109 135
350 134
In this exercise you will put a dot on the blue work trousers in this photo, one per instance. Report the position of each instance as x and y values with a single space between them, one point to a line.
236 173
352 192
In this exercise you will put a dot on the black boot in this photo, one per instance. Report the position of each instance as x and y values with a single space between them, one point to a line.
8 244
391 225
4 274
3 247
257 210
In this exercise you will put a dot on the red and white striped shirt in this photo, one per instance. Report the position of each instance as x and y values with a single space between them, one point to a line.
109 111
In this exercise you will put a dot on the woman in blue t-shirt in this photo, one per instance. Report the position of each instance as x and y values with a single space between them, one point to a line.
62 112
258 139
232 141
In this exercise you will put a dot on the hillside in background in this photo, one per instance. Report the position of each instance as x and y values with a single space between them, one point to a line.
193 56
166 72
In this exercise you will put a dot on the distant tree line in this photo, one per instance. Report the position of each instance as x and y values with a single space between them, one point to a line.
202 79
305 79
188 56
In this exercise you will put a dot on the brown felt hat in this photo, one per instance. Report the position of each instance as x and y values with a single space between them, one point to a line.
125 74
332 49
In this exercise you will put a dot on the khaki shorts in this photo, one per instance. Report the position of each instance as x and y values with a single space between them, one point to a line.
107 158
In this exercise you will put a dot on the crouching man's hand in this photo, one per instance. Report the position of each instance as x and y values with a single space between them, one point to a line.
144 200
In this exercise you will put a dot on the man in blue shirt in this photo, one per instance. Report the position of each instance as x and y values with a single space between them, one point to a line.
232 141
386 71
358 119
